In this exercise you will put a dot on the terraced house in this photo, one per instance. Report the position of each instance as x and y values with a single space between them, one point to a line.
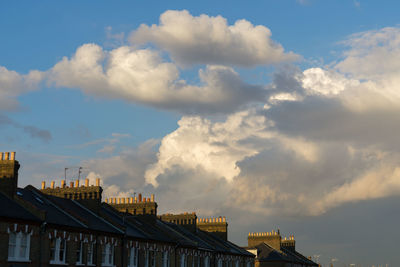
69 225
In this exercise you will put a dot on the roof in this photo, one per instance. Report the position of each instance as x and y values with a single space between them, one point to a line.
266 253
67 212
12 210
54 214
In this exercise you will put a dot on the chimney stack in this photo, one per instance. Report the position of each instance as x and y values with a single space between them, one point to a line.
8 173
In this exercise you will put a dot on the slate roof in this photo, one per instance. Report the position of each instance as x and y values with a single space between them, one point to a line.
54 214
267 253
66 212
12 210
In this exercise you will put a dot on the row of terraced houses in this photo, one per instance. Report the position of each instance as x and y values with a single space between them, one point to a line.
69 225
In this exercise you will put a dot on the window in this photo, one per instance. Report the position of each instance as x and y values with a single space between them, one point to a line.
79 253
183 260
107 255
237 263
18 246
207 262
219 263
149 258
58 248
166 262
133 257
152 260
91 254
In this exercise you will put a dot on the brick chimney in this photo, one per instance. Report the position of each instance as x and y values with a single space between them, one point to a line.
8 173
273 239
88 195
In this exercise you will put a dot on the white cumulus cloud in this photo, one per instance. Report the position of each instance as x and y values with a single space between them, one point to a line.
210 40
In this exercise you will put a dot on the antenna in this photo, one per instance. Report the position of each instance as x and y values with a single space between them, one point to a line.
79 172
65 174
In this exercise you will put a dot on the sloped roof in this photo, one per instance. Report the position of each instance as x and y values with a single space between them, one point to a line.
11 209
54 214
266 253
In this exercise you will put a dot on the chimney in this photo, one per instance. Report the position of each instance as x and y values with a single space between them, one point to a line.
52 184
71 184
152 197
43 185
62 184
86 182
140 197
8 173
273 239
97 181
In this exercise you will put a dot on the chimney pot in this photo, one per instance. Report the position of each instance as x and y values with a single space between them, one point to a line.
1 155
97 181
71 184
131 200
52 184
77 183
115 200
12 156
87 182
43 185
62 183
6 155
140 197
135 199
148 199
152 197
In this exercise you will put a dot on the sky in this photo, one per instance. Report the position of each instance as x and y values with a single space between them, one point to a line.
276 114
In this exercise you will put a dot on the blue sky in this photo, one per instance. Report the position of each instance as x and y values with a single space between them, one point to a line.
289 121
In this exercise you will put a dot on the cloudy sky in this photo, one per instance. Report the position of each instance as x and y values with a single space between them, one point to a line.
276 114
